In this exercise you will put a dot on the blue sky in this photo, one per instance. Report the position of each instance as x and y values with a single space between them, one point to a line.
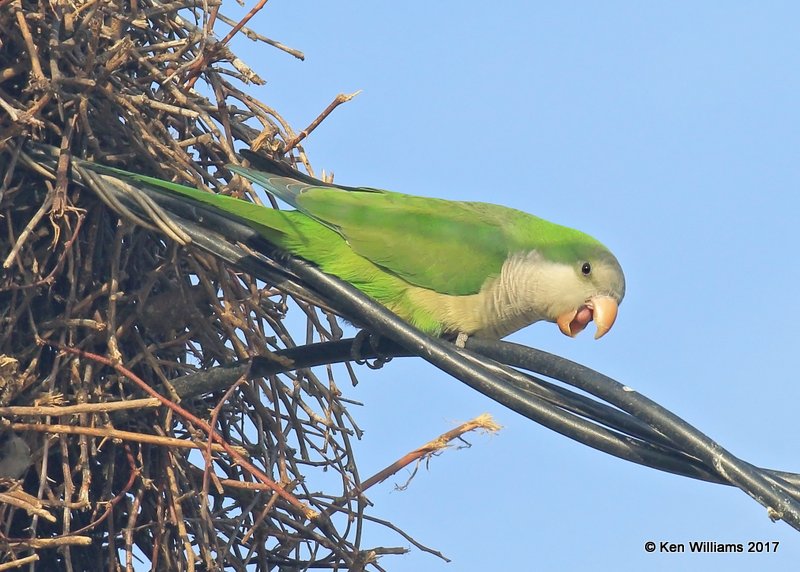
671 133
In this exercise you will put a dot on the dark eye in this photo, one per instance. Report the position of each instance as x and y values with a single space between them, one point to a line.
586 269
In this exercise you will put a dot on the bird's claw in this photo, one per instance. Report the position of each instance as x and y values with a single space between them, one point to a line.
374 341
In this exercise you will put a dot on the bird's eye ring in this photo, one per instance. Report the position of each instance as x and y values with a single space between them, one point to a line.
586 269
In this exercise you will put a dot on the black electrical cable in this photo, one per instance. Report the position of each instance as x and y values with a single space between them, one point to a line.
443 355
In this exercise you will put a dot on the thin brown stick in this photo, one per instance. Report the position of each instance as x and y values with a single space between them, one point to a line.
109 433
57 411
33 52
253 35
27 559
483 421
30 504
253 11
26 233
338 100
208 474
58 542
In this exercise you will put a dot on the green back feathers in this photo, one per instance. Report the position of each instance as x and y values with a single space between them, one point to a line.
448 246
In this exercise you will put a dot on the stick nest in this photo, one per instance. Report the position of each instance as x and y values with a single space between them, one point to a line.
113 478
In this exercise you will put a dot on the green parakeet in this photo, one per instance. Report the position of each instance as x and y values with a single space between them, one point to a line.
447 267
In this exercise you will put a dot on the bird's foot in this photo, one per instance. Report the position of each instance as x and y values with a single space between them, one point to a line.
357 350
461 340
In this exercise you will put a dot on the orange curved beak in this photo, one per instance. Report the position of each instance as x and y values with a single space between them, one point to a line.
601 309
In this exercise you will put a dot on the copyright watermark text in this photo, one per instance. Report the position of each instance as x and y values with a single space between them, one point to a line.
711 546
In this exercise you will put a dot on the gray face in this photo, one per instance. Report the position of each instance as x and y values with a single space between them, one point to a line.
603 275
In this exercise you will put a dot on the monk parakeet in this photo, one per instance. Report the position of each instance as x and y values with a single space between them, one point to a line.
447 267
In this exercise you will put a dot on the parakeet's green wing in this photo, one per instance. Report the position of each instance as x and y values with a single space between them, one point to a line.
414 235
450 247
435 244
